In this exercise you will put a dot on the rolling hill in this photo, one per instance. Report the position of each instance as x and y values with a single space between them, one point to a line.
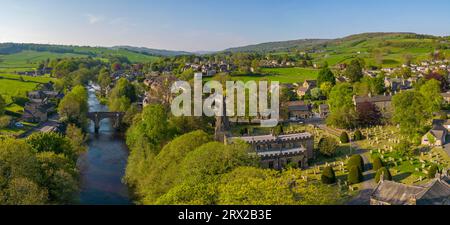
381 49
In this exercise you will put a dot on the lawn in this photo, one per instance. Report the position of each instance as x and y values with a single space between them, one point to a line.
283 75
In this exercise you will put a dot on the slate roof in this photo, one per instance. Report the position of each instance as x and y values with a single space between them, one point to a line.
378 98
436 192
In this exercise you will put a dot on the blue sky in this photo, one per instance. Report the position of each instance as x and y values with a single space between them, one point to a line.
211 24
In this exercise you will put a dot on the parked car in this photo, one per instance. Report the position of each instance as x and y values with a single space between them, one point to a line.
19 125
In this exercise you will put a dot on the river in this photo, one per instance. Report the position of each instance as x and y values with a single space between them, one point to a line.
103 165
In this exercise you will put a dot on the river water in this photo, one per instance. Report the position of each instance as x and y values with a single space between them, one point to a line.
103 165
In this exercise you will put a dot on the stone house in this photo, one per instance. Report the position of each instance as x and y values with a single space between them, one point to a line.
306 88
299 110
436 192
436 136
324 111
382 102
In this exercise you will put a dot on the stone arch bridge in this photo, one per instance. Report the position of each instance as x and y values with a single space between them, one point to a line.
97 117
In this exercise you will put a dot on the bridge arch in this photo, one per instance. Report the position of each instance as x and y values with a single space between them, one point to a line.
97 117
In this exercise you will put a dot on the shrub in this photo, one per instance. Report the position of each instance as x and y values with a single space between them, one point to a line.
328 175
432 172
358 136
355 175
5 121
328 146
356 160
386 174
377 163
344 138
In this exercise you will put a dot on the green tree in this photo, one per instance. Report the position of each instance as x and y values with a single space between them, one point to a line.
328 176
355 175
326 75
431 92
341 96
344 138
385 172
356 160
358 136
104 80
433 171
77 138
60 176
22 191
122 95
73 108
354 71
328 146
377 163
52 142
410 112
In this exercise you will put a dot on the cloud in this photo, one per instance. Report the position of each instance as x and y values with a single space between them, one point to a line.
93 19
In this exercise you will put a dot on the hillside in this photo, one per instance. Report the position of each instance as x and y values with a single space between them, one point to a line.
378 49
279 46
15 57
151 51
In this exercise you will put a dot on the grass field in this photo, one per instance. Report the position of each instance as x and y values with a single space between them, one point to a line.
12 85
283 75
27 60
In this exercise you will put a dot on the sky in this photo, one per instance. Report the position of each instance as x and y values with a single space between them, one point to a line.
210 25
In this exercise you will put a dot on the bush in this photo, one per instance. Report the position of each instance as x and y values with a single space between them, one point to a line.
386 174
328 146
358 136
432 172
377 163
355 175
344 138
5 121
328 175
356 160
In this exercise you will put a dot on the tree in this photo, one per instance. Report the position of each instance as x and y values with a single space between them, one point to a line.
328 176
354 71
439 77
341 96
377 163
326 88
52 142
383 171
316 94
433 171
328 146
77 138
73 108
104 80
355 175
404 148
59 175
356 160
325 75
122 95
431 92
368 114
22 191
410 112
358 136
344 138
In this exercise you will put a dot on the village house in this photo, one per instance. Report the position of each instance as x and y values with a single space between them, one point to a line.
306 88
436 136
277 152
436 192
158 89
446 97
299 110
324 111
383 103
40 104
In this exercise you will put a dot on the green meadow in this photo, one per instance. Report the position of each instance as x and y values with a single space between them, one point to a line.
283 75
16 85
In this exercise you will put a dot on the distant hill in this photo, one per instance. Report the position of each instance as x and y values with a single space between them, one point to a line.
377 49
279 46
154 52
